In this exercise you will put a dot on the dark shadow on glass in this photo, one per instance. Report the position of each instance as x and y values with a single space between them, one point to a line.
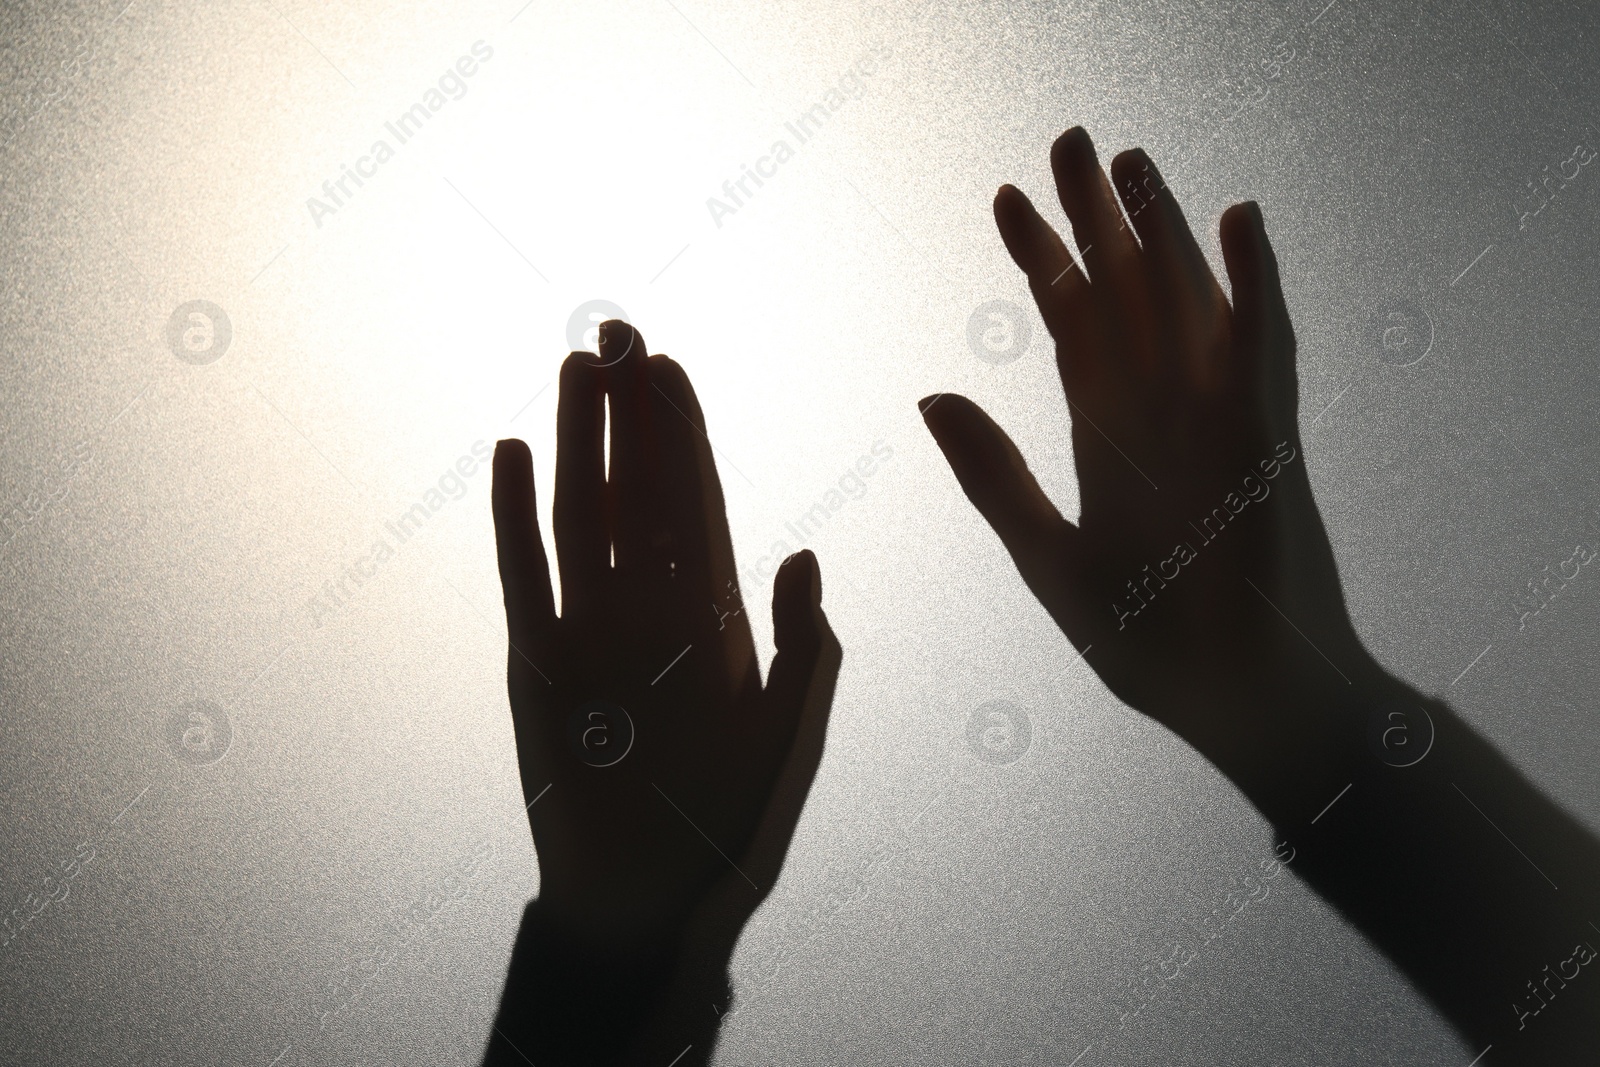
663 780
1199 584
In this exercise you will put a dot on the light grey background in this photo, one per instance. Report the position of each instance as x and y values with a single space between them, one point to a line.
938 907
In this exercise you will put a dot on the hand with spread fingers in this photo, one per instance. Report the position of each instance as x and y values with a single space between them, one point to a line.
1198 534
1199 584
664 781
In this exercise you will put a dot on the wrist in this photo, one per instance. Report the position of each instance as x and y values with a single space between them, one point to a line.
579 991
585 990
591 938
1292 739
1441 852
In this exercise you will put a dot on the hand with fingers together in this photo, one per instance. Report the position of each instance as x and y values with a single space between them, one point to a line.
664 781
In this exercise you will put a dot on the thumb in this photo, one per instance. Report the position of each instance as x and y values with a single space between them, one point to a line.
799 695
996 479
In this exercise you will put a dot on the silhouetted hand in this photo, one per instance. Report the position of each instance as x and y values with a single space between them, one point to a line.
1199 584
664 781
1190 477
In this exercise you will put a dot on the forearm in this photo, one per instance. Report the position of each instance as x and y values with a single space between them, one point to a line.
1454 865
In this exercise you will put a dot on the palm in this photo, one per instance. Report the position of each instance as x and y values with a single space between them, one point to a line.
638 814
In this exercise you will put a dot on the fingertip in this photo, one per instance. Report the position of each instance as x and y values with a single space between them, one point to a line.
1027 236
941 410
667 373
1015 214
675 389
577 365
807 562
1001 204
944 401
1241 220
1073 137
512 466
1260 312
936 413
511 448
812 568
618 339
511 490
805 558
1129 164
1233 232
802 576
797 600
1073 146
1258 225
1246 249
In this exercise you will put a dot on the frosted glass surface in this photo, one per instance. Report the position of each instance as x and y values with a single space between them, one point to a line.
227 375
